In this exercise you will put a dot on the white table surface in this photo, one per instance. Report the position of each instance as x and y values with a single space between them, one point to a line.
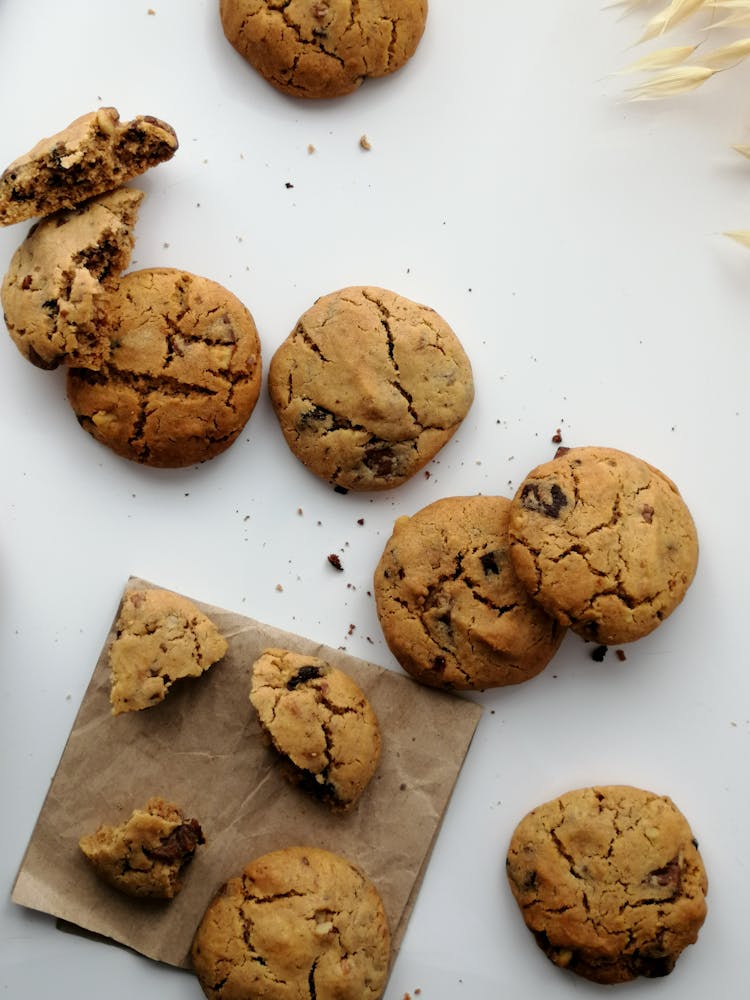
574 242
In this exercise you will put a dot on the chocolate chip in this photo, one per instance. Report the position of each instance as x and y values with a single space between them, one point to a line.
598 654
180 844
532 499
438 664
489 564
303 675
340 489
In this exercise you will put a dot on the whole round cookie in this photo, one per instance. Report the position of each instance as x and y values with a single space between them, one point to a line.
610 882
56 292
368 387
299 922
320 722
604 542
183 375
450 605
323 48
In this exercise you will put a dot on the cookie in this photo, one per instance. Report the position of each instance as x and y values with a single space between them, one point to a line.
95 153
160 637
320 722
604 542
323 48
183 374
55 293
147 855
450 605
610 882
368 387
299 922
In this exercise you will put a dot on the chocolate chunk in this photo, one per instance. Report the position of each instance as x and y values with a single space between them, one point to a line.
438 664
647 513
180 844
670 876
380 460
303 675
599 653
334 560
532 499
489 564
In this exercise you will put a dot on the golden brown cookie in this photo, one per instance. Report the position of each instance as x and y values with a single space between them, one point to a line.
450 605
610 882
56 291
95 153
323 48
184 371
319 721
298 923
147 855
160 637
604 542
368 387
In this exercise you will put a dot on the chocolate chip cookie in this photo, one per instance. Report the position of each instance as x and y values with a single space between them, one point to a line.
55 295
183 374
450 605
368 387
610 882
95 153
147 855
299 922
323 48
604 542
319 721
160 637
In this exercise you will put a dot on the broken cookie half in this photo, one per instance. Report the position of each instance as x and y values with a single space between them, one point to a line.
95 153
160 637
320 722
146 855
57 294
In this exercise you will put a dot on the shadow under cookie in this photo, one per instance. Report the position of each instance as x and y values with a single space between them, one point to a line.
184 372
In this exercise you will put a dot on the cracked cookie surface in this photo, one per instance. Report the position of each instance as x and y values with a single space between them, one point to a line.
452 610
95 153
183 375
55 295
320 721
610 882
604 542
160 637
147 855
298 924
368 387
323 48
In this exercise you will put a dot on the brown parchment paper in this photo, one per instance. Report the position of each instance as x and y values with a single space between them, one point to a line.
202 749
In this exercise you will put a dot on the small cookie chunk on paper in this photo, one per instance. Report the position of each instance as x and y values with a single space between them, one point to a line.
202 747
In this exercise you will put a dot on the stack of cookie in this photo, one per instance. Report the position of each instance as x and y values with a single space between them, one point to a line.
164 367
476 592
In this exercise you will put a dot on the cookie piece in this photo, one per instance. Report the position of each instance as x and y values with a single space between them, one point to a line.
368 387
183 375
323 48
147 855
610 882
604 542
95 153
450 605
160 637
299 922
55 293
319 720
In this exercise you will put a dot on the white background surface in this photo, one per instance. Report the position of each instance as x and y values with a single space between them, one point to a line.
573 241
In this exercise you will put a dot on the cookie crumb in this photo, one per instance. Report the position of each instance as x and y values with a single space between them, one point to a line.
288 184
365 143
299 512
620 654
598 654
351 630
360 520
557 437
334 560
151 11
279 587
310 148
